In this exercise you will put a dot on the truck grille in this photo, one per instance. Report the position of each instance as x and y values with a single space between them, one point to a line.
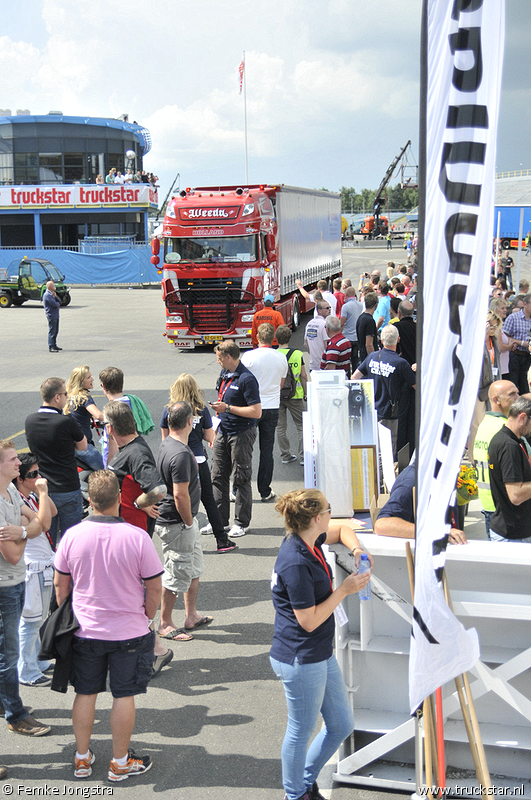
210 305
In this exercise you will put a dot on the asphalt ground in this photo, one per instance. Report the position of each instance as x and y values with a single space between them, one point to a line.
214 719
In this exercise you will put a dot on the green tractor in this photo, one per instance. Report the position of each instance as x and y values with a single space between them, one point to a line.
26 279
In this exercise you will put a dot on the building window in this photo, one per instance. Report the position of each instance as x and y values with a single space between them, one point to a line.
26 168
51 168
6 168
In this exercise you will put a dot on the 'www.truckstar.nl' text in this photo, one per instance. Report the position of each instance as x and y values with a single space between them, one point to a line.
466 791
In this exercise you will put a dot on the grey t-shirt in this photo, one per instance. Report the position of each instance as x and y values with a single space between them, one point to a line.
351 311
11 574
176 464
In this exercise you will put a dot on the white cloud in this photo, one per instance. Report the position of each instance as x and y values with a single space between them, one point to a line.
332 84
17 62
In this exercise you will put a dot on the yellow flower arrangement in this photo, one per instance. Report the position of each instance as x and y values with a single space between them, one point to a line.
467 487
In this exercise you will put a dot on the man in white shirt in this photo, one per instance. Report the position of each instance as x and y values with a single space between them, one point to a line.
270 368
322 286
316 336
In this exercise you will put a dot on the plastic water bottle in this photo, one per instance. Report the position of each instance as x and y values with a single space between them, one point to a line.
365 566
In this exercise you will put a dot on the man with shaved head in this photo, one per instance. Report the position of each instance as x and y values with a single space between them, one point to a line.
502 395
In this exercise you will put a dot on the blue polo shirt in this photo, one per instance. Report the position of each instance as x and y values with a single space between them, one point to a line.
400 503
299 580
238 388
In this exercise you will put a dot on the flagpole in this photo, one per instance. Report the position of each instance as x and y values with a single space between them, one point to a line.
245 118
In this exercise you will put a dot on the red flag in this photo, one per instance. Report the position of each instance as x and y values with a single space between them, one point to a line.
240 72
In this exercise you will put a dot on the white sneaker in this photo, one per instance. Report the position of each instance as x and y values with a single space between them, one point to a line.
207 529
289 459
270 496
236 531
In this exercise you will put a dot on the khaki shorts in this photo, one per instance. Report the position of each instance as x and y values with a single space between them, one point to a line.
182 555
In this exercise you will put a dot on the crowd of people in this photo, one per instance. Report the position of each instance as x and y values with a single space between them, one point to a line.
367 333
371 333
42 528
129 176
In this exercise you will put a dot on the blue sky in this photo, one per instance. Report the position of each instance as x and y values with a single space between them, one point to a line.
332 85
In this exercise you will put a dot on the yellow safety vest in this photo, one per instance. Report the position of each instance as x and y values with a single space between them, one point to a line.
491 424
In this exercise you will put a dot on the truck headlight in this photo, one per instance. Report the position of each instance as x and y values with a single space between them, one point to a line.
247 317
174 320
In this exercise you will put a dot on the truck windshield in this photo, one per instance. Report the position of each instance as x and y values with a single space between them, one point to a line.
212 249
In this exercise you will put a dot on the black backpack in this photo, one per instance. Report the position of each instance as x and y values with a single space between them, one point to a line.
290 384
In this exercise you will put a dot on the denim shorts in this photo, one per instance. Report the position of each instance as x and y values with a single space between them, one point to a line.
128 663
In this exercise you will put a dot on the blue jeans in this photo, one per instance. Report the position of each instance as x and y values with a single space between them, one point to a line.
495 537
53 330
91 457
29 667
267 426
311 689
11 603
488 516
69 512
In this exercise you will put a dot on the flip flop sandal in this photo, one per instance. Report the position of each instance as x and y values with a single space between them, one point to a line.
202 621
177 635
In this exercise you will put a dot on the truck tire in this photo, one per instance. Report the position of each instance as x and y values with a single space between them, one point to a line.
505 244
5 300
295 315
65 299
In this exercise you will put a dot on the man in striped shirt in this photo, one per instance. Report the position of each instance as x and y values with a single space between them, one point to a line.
338 349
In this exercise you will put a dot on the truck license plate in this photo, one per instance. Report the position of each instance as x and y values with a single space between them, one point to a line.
210 337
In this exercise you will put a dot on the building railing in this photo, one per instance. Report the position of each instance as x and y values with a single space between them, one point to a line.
77 249
515 173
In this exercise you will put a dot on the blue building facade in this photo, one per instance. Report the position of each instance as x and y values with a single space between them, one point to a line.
48 191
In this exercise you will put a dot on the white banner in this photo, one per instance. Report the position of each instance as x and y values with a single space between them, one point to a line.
464 65
77 196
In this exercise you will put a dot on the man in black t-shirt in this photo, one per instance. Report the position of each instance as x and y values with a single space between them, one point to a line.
177 526
407 330
510 476
393 378
54 439
134 464
366 327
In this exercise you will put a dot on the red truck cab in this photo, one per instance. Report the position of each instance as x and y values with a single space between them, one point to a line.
222 253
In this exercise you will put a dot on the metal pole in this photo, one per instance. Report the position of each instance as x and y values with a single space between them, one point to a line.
245 118
497 245
518 258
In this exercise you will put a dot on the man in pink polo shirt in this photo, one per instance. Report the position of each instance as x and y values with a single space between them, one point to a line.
115 573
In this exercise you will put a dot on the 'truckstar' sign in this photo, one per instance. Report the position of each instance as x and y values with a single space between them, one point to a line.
75 195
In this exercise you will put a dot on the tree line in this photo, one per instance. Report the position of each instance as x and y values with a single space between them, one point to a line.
398 199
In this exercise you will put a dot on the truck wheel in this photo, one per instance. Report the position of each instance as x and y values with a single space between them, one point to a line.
5 300
296 315
506 244
65 299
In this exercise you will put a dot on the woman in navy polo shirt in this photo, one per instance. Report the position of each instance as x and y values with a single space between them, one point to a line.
301 655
